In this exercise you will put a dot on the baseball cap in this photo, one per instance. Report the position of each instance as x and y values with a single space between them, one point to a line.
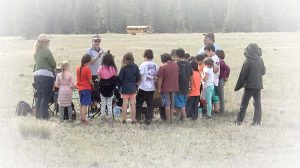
96 37
210 35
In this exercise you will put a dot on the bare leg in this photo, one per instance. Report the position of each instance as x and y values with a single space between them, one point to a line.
124 108
169 114
83 110
133 109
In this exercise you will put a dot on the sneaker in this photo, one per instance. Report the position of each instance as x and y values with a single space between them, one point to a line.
102 120
237 122
194 119
84 122
133 122
208 118
70 121
124 122
183 119
147 122
110 122
255 124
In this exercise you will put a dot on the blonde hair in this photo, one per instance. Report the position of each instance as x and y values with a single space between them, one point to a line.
64 66
40 44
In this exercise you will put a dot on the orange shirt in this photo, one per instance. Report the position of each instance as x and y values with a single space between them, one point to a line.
200 68
83 78
195 90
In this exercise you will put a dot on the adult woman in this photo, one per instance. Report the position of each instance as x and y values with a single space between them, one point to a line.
43 75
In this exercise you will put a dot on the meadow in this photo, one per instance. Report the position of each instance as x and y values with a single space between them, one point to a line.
27 142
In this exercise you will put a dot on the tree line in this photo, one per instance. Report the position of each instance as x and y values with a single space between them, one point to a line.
31 17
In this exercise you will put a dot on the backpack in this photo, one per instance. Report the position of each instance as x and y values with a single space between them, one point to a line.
23 108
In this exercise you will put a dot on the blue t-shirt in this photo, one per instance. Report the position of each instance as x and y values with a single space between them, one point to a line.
217 47
129 76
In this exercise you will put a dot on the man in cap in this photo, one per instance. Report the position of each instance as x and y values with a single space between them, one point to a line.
209 38
96 53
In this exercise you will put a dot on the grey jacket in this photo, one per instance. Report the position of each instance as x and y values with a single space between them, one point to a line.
253 69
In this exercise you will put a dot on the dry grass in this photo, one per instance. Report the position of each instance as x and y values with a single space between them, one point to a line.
26 142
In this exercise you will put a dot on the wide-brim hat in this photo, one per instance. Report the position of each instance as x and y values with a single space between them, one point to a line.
43 37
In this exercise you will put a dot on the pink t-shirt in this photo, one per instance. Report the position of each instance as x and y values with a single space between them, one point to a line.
106 72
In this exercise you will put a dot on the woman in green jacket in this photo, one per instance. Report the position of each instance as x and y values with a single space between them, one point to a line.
43 75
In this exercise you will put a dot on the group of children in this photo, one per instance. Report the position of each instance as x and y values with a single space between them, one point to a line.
183 83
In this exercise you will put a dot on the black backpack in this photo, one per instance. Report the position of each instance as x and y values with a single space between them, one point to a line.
23 108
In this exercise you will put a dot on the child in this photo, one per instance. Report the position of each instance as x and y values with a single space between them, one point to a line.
64 82
210 52
129 78
208 84
168 74
148 71
224 74
185 76
251 79
193 99
84 85
107 73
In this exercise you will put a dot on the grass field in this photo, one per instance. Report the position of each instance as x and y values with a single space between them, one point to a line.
26 142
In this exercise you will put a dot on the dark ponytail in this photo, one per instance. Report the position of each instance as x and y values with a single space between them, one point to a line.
85 59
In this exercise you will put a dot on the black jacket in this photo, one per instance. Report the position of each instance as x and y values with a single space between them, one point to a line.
253 69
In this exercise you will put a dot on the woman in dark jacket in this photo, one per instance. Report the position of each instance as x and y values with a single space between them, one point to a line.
251 79
43 75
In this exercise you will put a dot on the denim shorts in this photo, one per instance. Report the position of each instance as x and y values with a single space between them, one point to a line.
180 100
85 97
167 99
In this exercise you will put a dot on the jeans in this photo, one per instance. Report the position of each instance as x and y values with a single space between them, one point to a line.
192 107
209 91
44 87
141 97
221 95
62 112
248 93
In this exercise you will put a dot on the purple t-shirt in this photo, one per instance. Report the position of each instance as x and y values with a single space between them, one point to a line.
224 70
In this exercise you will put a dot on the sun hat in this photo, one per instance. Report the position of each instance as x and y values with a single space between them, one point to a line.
43 37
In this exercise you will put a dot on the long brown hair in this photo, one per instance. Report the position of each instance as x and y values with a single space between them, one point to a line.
85 59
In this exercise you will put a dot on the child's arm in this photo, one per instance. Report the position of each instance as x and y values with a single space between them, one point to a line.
242 78
216 69
159 84
89 74
205 77
91 82
56 83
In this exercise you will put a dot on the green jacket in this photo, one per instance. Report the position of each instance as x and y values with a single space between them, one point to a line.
44 60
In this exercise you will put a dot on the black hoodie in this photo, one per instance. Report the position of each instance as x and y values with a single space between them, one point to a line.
253 69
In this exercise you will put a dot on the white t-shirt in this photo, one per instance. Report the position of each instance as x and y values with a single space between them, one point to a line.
148 71
216 64
210 79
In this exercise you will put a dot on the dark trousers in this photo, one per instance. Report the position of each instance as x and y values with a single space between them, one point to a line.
248 93
44 87
141 97
192 104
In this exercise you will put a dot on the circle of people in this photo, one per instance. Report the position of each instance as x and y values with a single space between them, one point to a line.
188 85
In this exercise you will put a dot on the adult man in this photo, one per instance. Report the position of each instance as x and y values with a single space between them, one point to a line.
96 53
209 38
